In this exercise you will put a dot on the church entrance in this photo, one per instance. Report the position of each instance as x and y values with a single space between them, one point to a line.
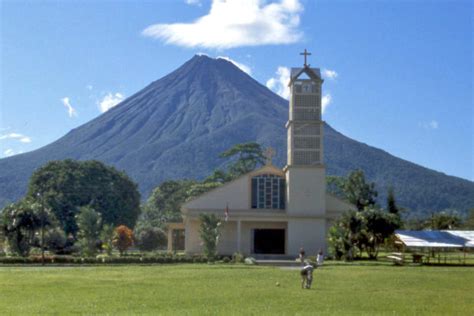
269 241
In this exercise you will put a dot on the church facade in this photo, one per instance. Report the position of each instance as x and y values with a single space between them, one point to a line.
273 211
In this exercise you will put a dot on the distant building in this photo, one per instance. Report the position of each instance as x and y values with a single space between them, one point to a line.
270 210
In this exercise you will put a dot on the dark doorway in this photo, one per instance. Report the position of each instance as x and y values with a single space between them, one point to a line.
177 239
269 241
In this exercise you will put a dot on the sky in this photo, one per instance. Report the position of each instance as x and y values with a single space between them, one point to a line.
398 74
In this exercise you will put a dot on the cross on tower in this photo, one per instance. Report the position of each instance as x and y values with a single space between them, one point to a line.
306 54
269 153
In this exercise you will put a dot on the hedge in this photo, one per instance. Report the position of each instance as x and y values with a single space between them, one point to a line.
102 259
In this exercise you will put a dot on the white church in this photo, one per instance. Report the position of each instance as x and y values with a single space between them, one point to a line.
274 211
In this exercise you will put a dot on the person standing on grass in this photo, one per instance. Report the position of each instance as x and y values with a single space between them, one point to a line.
301 256
320 258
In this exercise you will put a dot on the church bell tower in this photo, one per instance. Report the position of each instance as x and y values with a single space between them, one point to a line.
305 171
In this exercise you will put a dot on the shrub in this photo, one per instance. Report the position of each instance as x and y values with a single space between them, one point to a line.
104 259
123 238
107 237
237 257
209 232
89 223
55 240
150 238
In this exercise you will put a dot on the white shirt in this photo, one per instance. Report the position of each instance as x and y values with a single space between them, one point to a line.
320 260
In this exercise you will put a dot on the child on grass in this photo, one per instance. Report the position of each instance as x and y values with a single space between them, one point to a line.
306 275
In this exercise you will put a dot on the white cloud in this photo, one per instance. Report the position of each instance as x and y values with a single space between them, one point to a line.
194 2
235 23
329 74
242 67
89 87
325 101
22 138
70 110
109 101
433 124
279 84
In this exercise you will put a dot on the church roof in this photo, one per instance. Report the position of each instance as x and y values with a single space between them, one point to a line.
223 189
313 73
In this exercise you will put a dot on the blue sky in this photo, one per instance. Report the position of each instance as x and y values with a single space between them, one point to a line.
398 74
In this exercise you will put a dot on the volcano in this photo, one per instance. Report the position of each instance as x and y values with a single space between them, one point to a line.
176 127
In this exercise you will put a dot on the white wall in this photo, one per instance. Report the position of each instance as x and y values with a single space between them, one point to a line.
228 239
192 240
306 190
336 205
236 193
307 233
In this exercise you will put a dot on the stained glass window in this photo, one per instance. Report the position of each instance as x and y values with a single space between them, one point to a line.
268 191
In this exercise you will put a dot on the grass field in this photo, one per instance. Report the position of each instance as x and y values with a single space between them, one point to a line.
340 289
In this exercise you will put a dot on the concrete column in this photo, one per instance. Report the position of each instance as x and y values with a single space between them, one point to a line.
238 235
170 239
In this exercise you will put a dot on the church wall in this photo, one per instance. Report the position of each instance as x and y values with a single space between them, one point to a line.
228 239
306 193
236 193
336 205
192 240
307 233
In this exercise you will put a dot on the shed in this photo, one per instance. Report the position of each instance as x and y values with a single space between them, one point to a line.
436 242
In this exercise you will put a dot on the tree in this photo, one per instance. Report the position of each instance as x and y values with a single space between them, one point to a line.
218 176
378 226
358 231
150 238
345 236
249 156
393 208
210 232
355 189
90 225
123 238
20 223
164 204
444 220
107 236
67 185
200 188
391 203
469 222
55 240
339 241
335 185
2 235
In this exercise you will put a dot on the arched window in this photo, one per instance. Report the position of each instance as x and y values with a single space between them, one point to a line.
268 191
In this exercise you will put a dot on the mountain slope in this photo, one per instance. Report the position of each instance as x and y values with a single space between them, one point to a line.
176 127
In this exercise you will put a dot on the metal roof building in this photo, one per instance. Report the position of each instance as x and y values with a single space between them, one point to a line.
436 238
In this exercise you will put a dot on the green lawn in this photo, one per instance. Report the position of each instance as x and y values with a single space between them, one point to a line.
339 289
